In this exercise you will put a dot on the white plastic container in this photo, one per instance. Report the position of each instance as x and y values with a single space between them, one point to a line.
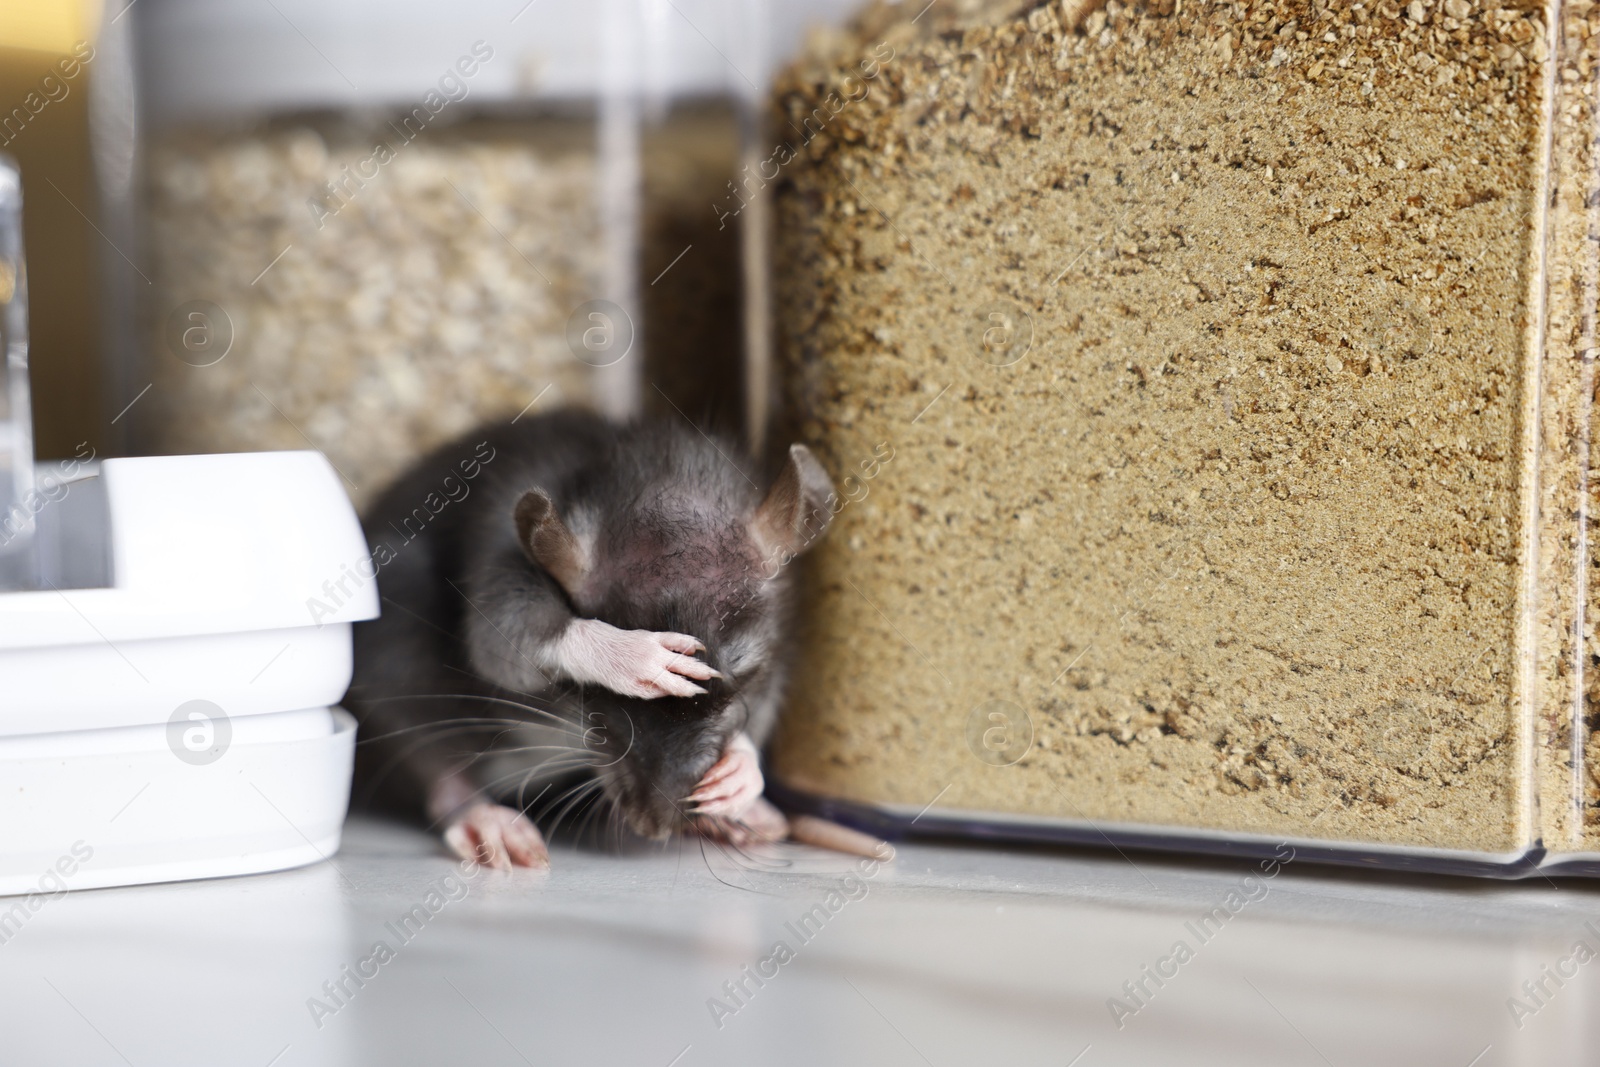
86 809
166 710
234 579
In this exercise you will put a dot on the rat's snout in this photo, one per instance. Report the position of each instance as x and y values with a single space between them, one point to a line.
652 798
649 812
650 756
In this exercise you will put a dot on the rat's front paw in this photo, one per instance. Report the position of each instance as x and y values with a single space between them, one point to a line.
732 784
635 663
663 664
497 836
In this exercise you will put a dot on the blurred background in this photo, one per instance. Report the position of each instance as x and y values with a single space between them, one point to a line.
365 226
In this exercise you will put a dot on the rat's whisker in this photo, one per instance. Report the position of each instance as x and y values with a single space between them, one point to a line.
545 713
552 771
569 814
553 699
554 768
376 778
758 860
430 734
599 805
491 734
718 877
565 794
571 798
542 748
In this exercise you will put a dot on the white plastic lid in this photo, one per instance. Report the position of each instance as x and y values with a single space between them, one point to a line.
220 58
210 545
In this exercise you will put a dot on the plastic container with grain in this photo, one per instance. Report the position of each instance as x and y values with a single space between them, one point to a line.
1238 364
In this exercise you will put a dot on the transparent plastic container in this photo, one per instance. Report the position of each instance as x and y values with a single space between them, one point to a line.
1211 388
17 503
371 228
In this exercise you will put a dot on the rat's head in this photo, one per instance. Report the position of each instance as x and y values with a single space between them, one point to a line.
682 543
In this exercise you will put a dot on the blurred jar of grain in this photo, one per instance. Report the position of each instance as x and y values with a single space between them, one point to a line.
367 228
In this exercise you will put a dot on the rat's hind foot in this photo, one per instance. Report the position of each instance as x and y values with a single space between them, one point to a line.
498 837
732 784
760 823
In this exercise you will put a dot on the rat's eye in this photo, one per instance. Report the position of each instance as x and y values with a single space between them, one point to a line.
741 657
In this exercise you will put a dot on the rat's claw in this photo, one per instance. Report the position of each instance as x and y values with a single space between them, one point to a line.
669 684
732 784
635 663
680 643
690 667
669 668
498 837
740 748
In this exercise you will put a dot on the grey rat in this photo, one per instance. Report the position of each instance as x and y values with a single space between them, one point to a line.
568 601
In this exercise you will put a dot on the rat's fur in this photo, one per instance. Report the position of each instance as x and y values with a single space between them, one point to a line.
649 527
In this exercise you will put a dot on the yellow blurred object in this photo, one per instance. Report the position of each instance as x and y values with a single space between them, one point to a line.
51 26
47 52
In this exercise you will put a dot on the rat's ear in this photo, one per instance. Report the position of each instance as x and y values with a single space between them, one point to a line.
797 508
548 542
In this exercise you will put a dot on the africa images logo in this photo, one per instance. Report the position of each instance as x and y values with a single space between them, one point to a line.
199 732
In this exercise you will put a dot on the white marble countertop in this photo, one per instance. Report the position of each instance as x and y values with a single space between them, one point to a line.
951 955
